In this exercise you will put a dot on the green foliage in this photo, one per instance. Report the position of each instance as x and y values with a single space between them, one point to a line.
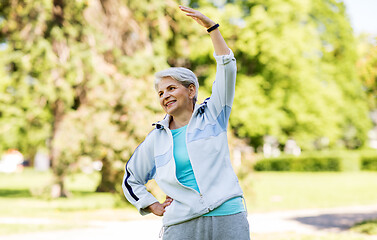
367 68
296 71
345 161
77 76
49 67
369 163
299 164
296 75
338 65
366 227
350 161
73 86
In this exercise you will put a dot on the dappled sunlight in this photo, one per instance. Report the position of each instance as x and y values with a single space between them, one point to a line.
77 98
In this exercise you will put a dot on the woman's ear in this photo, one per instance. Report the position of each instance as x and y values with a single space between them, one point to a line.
192 91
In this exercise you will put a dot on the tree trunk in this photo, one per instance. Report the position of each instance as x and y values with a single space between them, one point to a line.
58 169
108 177
58 189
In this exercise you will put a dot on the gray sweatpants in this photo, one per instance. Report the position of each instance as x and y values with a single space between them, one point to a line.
230 227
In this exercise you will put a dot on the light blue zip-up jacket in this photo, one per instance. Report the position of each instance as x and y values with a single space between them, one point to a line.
207 146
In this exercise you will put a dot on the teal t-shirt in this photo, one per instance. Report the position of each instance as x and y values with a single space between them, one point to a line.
186 177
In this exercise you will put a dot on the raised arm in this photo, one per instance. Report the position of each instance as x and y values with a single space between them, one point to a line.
218 41
223 89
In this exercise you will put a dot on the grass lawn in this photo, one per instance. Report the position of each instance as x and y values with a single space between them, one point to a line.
267 191
16 194
23 228
272 191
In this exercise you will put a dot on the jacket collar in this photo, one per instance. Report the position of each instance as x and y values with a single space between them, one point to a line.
164 123
199 109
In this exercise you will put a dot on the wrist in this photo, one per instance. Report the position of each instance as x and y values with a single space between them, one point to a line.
213 27
210 24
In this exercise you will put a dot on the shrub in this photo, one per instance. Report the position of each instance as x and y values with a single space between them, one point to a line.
335 160
368 160
301 164
369 163
366 227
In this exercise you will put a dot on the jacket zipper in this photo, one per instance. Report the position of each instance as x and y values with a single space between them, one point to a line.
175 168
188 152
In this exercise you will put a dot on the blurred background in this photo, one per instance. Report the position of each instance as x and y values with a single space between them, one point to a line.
77 97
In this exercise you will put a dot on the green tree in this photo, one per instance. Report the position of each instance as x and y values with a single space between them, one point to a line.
49 70
296 76
77 76
289 101
338 65
120 112
90 65
367 68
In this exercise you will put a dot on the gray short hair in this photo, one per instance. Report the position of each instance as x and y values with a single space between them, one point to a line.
183 75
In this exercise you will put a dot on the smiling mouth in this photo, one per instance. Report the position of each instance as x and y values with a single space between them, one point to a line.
169 103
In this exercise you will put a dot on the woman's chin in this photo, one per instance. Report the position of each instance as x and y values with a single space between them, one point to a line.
171 113
171 109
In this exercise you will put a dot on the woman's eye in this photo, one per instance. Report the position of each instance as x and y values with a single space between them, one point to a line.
160 94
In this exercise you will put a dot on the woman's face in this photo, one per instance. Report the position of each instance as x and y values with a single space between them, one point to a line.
175 98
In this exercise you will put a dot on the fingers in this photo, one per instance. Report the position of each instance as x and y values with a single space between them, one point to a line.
158 209
190 12
167 202
197 16
187 9
167 197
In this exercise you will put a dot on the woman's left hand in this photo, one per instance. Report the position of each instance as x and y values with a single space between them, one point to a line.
168 201
198 16
158 209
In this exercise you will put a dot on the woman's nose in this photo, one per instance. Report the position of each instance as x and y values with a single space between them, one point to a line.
165 95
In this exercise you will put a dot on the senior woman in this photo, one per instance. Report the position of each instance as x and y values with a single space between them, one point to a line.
187 154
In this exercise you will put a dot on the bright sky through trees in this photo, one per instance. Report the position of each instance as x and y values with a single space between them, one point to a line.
363 15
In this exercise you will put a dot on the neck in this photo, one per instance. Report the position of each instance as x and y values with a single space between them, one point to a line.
180 121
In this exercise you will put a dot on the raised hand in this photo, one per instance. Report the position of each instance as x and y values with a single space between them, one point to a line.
198 16
218 41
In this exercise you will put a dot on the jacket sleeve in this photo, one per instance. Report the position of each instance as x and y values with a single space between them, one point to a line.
223 89
139 169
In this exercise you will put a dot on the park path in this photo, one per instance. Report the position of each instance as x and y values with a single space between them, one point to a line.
312 221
